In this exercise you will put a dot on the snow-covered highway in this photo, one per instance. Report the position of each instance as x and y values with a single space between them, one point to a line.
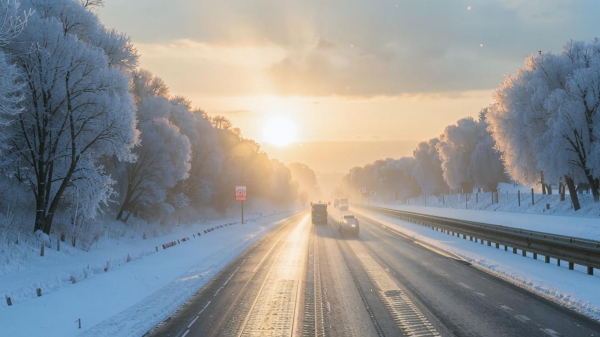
308 280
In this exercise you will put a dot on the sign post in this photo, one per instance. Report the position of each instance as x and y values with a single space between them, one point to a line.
240 195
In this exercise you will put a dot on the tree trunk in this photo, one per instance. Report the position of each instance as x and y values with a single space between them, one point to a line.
594 186
549 189
573 193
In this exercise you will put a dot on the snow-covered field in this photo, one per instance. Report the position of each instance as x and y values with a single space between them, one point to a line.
508 201
130 297
583 227
573 289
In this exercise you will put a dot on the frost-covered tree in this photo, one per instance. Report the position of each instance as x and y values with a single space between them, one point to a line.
12 21
397 176
546 117
456 147
76 109
163 155
487 169
468 156
428 168
162 160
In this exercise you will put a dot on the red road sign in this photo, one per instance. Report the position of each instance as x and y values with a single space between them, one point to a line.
240 193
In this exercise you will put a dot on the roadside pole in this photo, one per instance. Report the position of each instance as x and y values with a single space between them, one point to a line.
240 190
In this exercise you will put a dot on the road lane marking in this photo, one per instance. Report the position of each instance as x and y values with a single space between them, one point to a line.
465 286
481 294
206 306
550 332
185 333
523 318
236 269
194 321
407 316
506 307
243 262
217 293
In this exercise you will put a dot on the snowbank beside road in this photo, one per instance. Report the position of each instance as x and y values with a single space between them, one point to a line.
583 227
159 282
573 289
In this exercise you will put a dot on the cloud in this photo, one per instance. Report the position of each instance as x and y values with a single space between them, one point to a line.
347 47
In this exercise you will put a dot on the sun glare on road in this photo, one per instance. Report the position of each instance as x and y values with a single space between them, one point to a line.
280 131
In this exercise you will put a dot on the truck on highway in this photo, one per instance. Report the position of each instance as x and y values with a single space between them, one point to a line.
318 213
343 204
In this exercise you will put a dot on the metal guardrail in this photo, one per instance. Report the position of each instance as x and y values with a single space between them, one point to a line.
570 249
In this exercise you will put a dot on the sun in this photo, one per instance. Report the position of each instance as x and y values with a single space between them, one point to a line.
280 131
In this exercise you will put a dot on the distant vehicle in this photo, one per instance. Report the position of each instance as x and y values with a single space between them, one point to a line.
343 204
336 203
318 213
349 225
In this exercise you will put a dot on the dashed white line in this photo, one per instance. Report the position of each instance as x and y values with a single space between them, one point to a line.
206 306
523 318
185 333
243 262
194 321
236 269
464 285
506 307
217 293
550 332
481 294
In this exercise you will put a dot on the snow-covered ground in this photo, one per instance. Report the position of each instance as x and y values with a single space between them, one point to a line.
508 201
583 227
573 289
130 297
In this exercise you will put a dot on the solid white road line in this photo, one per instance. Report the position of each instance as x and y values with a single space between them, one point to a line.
194 321
243 262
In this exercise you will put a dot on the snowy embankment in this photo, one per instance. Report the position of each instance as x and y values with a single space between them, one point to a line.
582 227
573 289
129 298
508 201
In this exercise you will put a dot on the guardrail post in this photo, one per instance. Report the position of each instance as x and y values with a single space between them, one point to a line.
532 198
519 194
558 262
477 197
497 246
590 270
514 250
505 248
571 265
535 256
524 253
482 241
470 238
489 243
547 259
465 236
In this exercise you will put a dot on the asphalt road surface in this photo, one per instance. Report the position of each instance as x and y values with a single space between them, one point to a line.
308 280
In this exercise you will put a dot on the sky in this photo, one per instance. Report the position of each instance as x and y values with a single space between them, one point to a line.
360 80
